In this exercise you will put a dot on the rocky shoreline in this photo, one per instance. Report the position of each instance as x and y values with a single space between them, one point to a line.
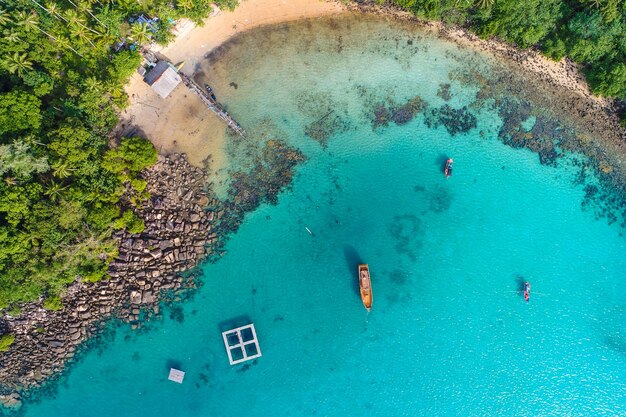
564 75
180 219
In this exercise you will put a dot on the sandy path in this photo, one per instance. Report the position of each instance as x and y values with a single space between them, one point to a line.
181 123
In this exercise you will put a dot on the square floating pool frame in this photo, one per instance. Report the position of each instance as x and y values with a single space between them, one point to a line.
240 347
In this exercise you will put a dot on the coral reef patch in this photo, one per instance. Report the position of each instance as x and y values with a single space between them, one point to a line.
455 121
271 171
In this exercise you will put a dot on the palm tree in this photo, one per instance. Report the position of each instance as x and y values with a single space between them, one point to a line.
18 63
93 84
56 11
28 21
140 33
594 3
185 4
54 191
74 19
127 6
483 4
5 17
11 35
52 9
79 32
104 40
61 170
85 6
65 43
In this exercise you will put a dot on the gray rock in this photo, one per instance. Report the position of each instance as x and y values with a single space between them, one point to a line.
135 297
11 401
147 297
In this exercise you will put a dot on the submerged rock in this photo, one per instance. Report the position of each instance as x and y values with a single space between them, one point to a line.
11 401
405 113
454 120
272 170
399 114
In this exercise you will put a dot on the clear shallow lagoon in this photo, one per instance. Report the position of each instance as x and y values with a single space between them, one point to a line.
449 333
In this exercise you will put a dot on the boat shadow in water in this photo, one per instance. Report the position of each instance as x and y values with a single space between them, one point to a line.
519 285
353 259
440 161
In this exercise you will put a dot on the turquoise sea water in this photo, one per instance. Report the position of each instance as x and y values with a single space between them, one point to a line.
449 333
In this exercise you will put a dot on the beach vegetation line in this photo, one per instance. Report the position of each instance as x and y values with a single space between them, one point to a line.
589 32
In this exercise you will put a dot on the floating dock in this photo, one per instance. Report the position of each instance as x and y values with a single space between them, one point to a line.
212 104
176 375
241 344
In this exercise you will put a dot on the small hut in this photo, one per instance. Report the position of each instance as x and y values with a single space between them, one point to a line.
163 78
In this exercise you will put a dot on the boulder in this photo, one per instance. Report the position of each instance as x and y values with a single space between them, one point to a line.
11 401
135 297
147 297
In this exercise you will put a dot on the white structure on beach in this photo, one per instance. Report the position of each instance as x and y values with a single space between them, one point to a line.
163 78
241 344
176 375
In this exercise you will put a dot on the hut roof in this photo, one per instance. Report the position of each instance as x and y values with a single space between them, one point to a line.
163 78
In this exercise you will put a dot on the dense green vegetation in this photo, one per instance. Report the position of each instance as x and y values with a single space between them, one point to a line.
63 190
590 32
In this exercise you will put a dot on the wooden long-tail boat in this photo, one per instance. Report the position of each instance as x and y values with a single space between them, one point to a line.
527 291
365 284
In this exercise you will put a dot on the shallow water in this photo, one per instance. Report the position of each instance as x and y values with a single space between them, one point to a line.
449 333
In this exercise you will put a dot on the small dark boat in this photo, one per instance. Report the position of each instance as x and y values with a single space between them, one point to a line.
365 285
447 170
210 91
527 291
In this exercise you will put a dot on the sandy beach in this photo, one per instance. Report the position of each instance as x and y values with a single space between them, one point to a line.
190 128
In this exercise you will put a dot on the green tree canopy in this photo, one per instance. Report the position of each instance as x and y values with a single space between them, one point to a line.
132 155
19 111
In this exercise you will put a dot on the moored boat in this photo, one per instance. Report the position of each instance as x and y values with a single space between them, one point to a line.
447 170
527 291
365 285
210 91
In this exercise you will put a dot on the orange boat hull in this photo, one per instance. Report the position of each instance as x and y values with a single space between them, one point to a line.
365 285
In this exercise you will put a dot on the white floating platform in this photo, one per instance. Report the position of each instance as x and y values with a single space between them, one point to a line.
176 375
241 344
